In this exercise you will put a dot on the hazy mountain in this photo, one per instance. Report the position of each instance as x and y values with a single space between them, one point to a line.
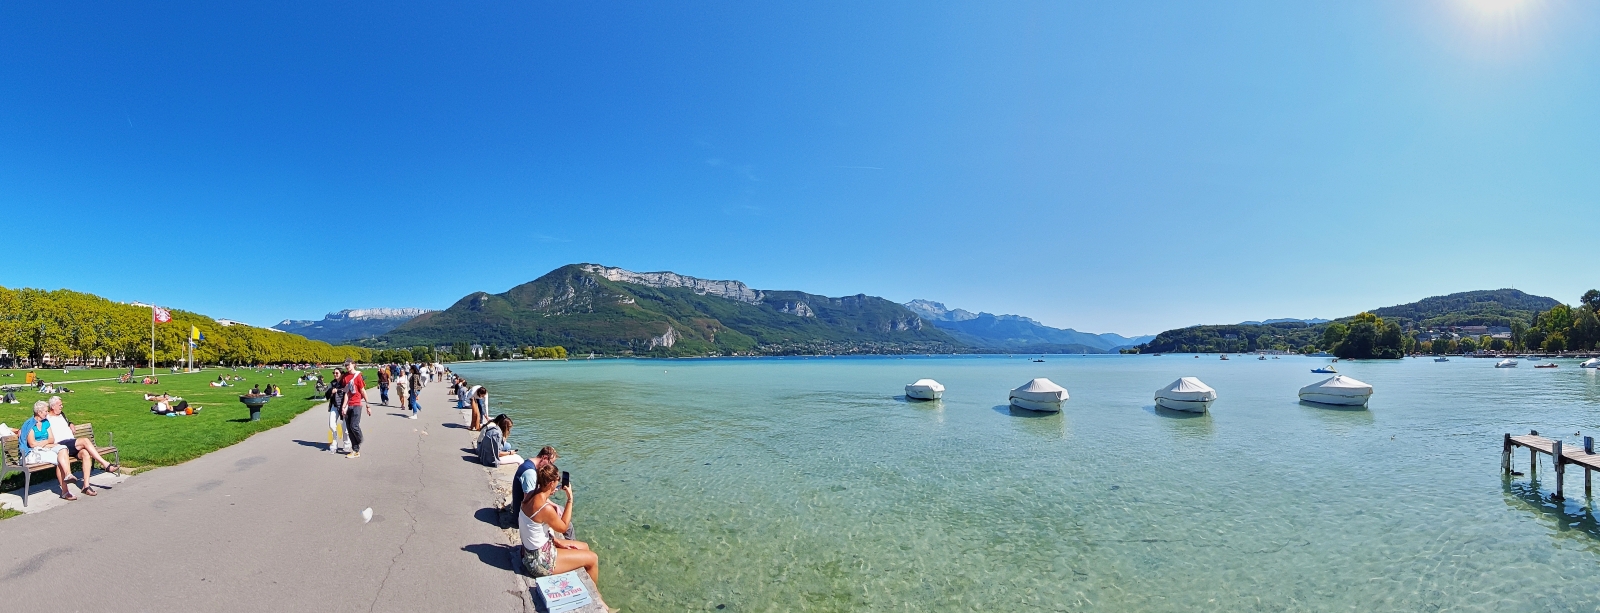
588 307
1287 320
350 324
1016 333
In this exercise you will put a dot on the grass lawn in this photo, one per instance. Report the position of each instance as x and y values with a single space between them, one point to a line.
147 440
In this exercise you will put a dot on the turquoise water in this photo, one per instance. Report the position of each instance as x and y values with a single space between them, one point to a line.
810 484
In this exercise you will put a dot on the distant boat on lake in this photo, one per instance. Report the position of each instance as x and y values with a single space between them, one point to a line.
1441 359
1337 390
1506 363
1039 395
1325 370
1550 365
925 389
1186 394
1590 363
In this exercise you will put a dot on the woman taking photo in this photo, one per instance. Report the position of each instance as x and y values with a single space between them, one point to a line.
543 554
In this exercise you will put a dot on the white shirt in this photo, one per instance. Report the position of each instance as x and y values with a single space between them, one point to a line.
59 430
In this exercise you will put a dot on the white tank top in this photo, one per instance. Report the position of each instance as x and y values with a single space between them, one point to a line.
535 535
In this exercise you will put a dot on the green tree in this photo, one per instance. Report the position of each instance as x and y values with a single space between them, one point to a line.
1334 334
1555 342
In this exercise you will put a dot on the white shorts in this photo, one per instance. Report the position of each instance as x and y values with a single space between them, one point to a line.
48 454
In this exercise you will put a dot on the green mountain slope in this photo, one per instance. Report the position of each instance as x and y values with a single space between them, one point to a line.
1476 308
1481 308
586 307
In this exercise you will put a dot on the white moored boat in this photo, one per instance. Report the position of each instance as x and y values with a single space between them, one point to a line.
1337 390
1590 363
1507 363
925 389
1186 394
1039 395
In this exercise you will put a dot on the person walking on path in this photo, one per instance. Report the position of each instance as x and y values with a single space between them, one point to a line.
338 436
384 377
416 388
400 391
355 401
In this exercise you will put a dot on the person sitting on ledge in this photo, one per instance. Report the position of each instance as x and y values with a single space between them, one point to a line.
493 448
538 521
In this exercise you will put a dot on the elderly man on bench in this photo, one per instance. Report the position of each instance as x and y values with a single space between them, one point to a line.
81 448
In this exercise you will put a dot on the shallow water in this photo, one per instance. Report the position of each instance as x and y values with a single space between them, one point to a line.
811 484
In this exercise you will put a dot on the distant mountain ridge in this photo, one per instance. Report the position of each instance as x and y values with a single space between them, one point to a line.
1015 333
608 310
1287 320
350 324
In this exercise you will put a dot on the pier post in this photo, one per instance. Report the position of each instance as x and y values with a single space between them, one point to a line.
1555 455
1505 454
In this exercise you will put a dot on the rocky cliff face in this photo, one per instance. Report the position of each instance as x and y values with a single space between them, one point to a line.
732 290
935 311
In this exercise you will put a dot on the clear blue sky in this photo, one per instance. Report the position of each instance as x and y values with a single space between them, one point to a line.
1107 166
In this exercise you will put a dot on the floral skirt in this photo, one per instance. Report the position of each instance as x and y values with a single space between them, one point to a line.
539 562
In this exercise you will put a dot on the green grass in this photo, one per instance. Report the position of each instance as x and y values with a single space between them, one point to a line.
148 440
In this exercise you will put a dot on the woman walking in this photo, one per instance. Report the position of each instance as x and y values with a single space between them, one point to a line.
416 387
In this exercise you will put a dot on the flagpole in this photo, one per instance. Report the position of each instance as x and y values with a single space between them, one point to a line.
152 341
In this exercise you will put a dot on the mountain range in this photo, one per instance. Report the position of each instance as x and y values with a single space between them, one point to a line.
350 324
601 309
1015 333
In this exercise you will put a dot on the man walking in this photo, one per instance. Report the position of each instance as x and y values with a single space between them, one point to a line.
383 385
355 401
416 387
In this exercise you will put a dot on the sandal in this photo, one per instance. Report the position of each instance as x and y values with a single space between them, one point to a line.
89 491
68 497
112 468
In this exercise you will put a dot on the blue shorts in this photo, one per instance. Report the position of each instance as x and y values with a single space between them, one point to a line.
71 444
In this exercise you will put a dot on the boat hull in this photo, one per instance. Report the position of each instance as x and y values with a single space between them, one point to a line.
920 393
1335 400
1042 406
1187 406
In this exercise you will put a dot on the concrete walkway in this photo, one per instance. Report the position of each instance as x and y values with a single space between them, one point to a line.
274 524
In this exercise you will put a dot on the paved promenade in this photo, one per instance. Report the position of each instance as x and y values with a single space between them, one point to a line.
274 524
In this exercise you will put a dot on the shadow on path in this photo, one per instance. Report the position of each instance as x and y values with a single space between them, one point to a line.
498 556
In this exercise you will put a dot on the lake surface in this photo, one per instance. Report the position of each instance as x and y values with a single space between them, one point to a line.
811 484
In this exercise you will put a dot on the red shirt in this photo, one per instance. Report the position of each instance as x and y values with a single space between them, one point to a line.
355 389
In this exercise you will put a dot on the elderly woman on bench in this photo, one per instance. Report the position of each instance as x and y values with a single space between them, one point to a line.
38 447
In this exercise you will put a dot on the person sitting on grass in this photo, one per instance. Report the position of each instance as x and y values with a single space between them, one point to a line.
82 448
38 447
538 521
493 448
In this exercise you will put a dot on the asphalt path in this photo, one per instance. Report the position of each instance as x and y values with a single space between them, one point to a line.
275 523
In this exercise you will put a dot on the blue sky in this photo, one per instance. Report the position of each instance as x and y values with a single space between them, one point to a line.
1126 167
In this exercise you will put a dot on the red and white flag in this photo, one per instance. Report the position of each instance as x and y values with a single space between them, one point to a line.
160 315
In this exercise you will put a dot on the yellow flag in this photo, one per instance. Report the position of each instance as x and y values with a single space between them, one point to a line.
194 333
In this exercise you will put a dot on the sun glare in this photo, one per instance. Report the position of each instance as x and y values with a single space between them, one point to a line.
1496 10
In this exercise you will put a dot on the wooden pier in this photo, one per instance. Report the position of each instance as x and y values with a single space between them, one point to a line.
1562 455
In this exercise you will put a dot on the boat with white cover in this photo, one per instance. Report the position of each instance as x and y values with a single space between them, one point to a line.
925 389
1039 395
1506 363
1590 363
1186 394
1337 390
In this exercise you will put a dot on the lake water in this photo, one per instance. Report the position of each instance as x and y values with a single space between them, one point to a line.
811 484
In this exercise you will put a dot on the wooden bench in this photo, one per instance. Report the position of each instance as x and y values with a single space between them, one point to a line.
11 453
